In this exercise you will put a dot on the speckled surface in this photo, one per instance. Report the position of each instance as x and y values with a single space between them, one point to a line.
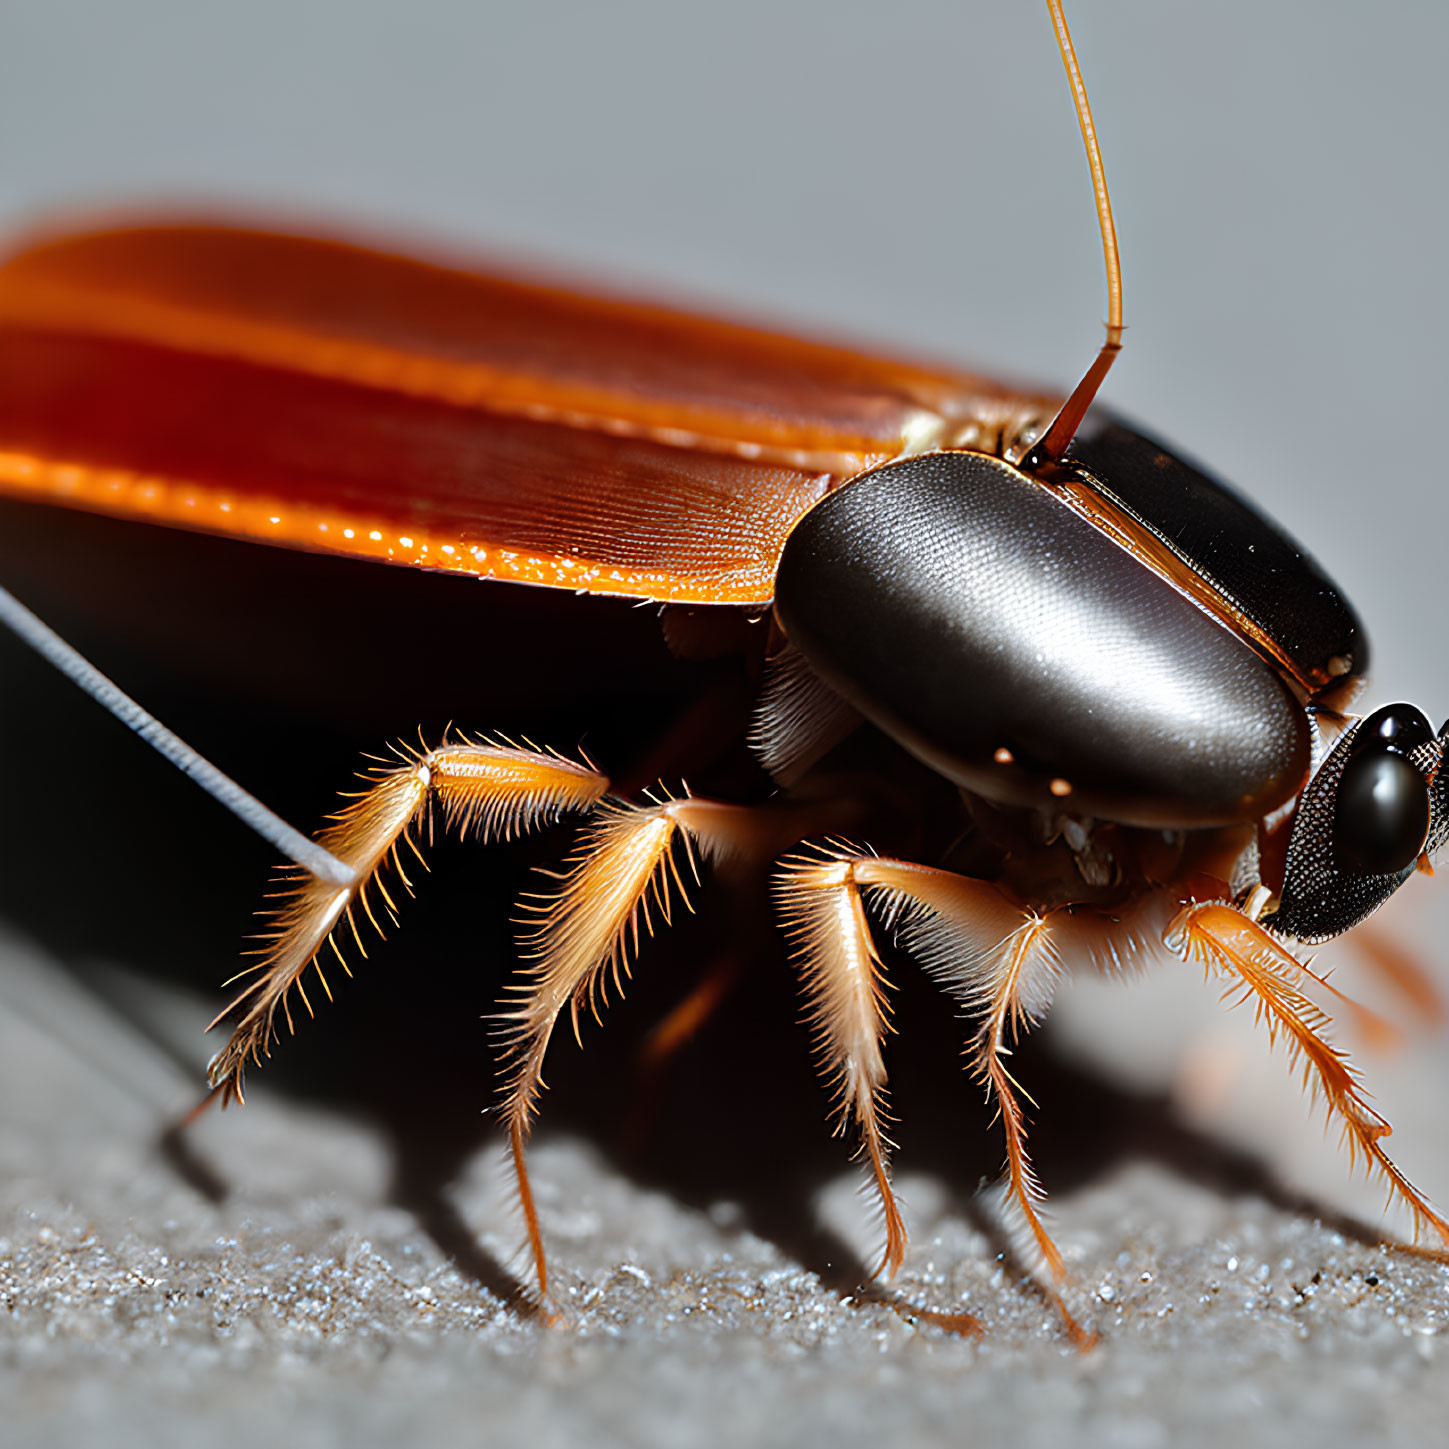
302 1300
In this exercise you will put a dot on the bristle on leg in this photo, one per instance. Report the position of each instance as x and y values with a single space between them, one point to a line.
484 788
819 897
585 935
1259 968
996 958
1000 963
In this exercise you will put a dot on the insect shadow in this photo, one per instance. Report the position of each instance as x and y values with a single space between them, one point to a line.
285 669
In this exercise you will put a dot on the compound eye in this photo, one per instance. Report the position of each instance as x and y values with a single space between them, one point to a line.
1382 814
1398 727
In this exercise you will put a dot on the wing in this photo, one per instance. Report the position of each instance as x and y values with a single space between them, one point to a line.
322 396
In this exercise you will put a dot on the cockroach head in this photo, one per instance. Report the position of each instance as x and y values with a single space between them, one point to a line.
1375 809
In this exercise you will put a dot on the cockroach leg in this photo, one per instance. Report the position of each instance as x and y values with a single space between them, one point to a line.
1000 961
491 789
1258 968
844 983
1392 962
688 1018
962 1325
585 934
798 717
670 1036
995 957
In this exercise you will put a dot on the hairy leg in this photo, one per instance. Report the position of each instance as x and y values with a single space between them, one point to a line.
622 877
494 790
1258 968
995 957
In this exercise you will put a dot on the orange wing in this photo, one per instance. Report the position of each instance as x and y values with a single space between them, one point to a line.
318 395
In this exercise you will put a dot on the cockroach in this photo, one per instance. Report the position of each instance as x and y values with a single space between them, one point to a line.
1114 695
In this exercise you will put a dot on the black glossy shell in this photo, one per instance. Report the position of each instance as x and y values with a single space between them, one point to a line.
965 610
1381 814
1224 539
1323 894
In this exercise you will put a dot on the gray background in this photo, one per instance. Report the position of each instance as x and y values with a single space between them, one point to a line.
909 174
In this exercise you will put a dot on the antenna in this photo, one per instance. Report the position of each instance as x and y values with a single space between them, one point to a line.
1055 441
246 807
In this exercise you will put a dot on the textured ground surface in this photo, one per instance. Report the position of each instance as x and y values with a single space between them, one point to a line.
294 1295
